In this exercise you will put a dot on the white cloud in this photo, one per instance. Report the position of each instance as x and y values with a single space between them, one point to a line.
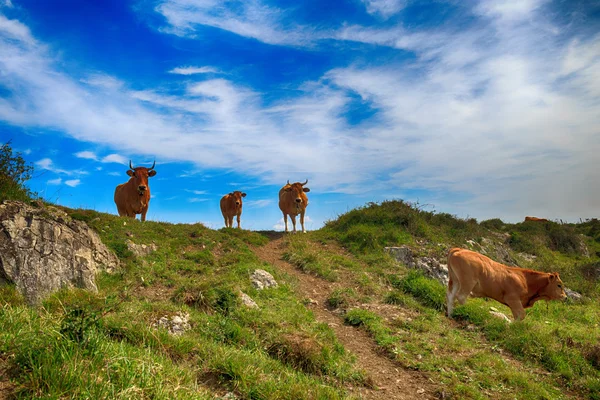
257 203
491 115
8 3
27 151
72 182
198 192
56 181
115 158
16 30
192 70
116 174
280 224
87 155
385 8
48 164
196 200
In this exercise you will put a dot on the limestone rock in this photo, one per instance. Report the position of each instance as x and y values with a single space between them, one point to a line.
261 279
247 300
176 324
430 266
42 250
141 250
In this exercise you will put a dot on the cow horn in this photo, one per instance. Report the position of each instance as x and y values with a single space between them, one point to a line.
304 183
288 182
153 164
130 166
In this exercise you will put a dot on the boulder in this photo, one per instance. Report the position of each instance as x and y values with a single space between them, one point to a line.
261 279
43 250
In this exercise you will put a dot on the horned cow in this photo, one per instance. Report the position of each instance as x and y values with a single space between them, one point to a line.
133 196
231 206
293 201
474 274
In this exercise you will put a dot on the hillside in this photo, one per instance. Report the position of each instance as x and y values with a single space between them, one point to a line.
345 321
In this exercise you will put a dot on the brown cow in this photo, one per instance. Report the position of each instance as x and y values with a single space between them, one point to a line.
536 219
133 197
518 288
231 206
293 201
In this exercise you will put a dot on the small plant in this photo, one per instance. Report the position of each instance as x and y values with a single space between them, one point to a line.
428 291
14 172
78 322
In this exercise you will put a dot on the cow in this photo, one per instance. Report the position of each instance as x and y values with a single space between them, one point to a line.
133 197
518 288
231 206
293 201
535 219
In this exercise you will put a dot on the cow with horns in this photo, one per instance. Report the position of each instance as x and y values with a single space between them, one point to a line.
231 206
293 201
133 197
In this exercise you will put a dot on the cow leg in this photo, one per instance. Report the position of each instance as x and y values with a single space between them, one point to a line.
293 218
517 309
230 222
285 221
302 222
226 221
453 288
238 221
143 217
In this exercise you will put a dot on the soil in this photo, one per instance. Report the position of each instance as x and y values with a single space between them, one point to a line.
390 380
7 388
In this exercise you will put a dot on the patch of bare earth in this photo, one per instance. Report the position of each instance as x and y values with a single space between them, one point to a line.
390 379
7 388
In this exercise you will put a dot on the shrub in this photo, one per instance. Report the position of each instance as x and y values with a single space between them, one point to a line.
14 172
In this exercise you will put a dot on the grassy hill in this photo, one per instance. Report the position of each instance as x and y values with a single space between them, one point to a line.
338 294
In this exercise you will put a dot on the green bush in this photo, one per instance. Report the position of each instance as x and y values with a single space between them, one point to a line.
14 172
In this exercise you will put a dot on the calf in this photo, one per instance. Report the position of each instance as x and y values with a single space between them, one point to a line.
231 206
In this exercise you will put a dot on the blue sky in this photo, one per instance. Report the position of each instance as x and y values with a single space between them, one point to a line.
477 108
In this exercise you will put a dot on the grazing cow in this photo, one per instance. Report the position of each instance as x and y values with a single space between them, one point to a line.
133 197
293 201
518 288
231 206
535 219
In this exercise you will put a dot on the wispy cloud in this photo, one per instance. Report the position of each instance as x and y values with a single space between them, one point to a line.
56 181
73 182
196 200
87 155
198 192
48 164
257 203
385 8
193 70
115 158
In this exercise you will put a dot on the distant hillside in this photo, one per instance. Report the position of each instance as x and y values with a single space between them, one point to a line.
345 321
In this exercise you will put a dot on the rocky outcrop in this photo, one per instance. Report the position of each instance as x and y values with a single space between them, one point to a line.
141 250
429 265
43 250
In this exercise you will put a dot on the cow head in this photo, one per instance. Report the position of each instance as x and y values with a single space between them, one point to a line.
555 290
237 196
140 177
297 189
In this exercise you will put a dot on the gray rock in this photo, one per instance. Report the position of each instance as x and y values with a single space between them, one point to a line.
141 250
261 279
500 315
43 250
430 266
176 324
573 295
247 300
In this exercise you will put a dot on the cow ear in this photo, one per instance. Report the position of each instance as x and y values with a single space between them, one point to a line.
130 172
306 190
152 173
243 194
553 277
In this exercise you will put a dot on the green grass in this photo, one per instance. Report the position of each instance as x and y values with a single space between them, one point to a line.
104 345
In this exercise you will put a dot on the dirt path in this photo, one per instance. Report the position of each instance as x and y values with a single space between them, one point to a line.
391 381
